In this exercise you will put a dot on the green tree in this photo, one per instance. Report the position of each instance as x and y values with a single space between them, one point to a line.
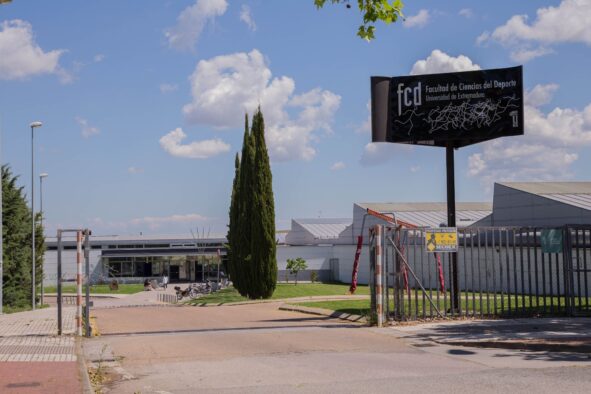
16 231
294 266
373 11
243 256
232 227
251 232
263 245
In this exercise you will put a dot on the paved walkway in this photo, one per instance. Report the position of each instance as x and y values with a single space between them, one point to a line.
549 334
33 359
256 348
39 322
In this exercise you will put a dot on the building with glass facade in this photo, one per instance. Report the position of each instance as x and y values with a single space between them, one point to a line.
137 258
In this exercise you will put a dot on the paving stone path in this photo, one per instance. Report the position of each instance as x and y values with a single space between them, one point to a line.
37 349
32 336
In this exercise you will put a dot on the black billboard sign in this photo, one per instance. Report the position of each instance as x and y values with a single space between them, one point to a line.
462 107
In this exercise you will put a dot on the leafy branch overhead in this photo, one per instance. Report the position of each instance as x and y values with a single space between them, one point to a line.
373 11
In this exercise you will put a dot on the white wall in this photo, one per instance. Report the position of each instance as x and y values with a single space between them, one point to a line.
513 207
318 258
69 266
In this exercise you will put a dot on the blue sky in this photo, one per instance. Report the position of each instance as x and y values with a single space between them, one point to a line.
143 103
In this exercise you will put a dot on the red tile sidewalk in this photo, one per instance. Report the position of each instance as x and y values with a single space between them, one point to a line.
33 359
40 377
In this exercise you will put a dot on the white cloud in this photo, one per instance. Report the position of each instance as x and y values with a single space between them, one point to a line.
569 22
192 21
339 165
416 168
153 222
548 149
365 127
21 57
99 58
466 13
482 38
86 129
520 159
540 94
524 55
419 20
135 170
172 143
246 17
226 87
376 153
440 62
168 87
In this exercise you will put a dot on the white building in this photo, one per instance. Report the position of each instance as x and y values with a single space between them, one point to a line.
135 258
328 245
540 204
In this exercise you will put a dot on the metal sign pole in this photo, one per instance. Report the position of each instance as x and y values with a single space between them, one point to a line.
451 220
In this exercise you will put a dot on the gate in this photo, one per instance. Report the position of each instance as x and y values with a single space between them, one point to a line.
501 272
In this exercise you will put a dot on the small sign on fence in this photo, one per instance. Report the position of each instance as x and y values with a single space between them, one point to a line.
442 239
551 239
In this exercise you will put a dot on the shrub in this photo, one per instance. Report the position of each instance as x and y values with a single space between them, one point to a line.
314 276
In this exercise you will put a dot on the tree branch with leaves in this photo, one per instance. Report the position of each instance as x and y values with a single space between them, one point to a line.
373 11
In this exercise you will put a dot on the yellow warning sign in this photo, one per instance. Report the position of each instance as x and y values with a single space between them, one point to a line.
442 239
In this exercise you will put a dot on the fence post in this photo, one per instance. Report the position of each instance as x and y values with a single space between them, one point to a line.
79 283
371 279
567 270
378 276
87 269
59 282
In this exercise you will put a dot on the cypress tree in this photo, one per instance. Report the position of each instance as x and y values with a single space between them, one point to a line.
244 215
232 228
263 247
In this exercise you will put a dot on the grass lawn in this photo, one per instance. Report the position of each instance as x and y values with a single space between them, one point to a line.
9 309
283 290
131 288
515 305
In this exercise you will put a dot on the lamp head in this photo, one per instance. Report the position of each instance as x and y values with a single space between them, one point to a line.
36 124
43 175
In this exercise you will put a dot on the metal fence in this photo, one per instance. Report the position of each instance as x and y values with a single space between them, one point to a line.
168 298
497 271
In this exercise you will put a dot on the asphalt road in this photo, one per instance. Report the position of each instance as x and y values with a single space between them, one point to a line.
257 348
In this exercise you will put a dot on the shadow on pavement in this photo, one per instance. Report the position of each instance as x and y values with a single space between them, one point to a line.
229 329
548 356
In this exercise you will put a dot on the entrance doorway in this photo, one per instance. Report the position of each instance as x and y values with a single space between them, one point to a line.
174 273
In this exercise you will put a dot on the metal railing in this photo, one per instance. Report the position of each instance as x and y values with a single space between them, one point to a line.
167 298
501 272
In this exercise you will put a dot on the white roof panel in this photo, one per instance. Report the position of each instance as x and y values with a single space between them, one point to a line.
577 194
324 228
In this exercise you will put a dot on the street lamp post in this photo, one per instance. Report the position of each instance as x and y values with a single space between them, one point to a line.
33 126
41 176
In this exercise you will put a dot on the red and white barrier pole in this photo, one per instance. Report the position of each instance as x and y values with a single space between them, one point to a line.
378 276
79 283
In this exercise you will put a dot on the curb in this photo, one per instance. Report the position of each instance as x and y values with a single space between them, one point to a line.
538 345
323 312
83 370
